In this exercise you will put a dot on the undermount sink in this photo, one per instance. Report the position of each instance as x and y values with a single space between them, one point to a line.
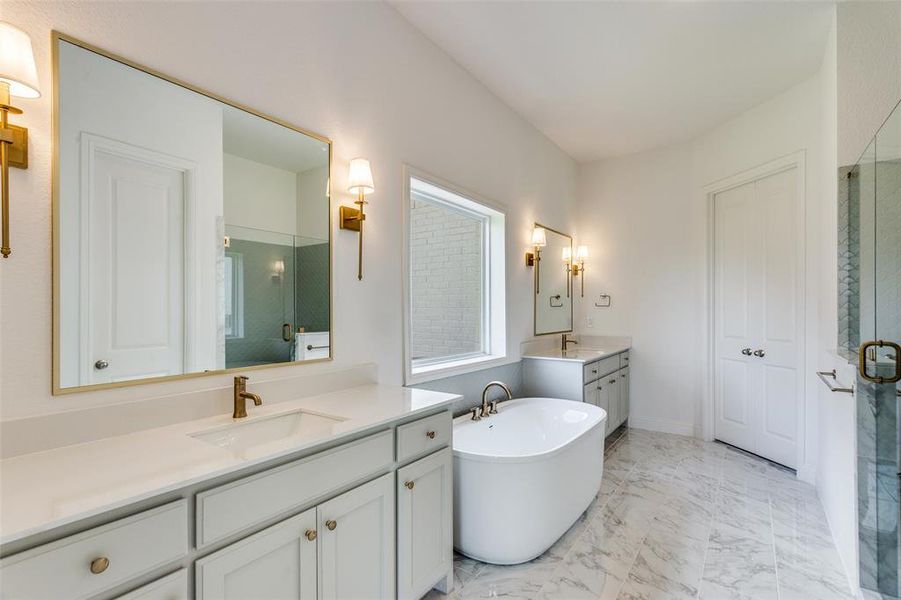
269 433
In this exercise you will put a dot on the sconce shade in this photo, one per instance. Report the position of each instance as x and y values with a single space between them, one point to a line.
17 67
581 252
567 253
539 237
359 177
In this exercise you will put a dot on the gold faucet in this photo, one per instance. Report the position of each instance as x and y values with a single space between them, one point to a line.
241 395
565 341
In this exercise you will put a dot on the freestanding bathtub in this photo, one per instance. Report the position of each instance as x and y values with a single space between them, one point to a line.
524 475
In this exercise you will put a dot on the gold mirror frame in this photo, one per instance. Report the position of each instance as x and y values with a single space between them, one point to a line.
535 288
55 38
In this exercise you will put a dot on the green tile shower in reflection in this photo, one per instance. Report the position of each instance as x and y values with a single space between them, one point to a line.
276 285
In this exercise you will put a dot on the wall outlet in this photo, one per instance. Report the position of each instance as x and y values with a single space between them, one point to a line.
589 322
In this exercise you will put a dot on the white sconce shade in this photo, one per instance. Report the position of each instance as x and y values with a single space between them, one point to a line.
539 237
17 67
359 177
581 252
567 253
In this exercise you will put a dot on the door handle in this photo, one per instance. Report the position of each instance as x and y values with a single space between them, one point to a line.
101 364
746 351
286 332
759 353
862 364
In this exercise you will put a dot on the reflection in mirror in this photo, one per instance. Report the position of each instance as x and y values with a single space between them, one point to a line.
191 235
553 284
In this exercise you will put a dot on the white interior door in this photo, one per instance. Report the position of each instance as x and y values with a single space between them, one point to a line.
757 318
135 270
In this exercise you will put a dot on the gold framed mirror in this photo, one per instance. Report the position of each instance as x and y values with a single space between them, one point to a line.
552 282
191 234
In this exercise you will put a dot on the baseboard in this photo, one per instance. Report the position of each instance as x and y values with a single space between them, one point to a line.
662 425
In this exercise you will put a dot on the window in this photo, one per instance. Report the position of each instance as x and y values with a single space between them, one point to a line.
455 292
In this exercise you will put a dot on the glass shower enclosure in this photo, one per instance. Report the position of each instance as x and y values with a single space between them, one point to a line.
870 334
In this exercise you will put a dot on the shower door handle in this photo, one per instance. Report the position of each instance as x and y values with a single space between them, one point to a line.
286 332
862 364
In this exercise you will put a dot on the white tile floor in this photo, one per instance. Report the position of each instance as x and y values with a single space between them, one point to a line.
679 518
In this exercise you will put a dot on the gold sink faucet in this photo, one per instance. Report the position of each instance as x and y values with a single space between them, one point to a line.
241 396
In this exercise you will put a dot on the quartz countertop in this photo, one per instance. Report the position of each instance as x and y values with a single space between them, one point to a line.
44 490
579 355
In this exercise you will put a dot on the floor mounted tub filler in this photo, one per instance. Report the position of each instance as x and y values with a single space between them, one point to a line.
524 475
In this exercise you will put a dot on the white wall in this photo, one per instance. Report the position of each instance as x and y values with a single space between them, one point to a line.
645 217
355 72
259 196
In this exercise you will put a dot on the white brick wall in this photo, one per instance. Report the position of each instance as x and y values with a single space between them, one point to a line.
446 271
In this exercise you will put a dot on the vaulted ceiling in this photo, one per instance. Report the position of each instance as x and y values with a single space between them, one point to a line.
604 79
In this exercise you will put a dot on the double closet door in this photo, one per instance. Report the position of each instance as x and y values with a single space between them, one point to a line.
758 344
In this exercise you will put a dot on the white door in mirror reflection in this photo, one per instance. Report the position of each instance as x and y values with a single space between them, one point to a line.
135 269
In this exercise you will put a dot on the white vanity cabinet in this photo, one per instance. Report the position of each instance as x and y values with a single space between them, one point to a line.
424 525
369 518
603 382
278 562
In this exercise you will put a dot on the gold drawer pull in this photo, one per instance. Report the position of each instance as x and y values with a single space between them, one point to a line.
99 565
331 525
409 485
430 435
311 534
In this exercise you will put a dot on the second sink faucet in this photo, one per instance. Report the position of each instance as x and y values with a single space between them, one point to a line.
565 341
241 396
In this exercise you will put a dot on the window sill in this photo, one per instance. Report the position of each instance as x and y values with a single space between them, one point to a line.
458 367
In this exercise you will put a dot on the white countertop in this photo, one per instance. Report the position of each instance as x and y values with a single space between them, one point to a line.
44 490
579 355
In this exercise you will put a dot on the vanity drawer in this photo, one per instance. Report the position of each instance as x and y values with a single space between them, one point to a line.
131 547
171 587
423 435
228 509
624 359
599 368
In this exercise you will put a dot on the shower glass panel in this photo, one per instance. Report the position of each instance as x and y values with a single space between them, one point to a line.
874 186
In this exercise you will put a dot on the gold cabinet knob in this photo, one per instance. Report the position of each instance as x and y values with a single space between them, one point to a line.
310 534
99 565
331 525
430 435
409 485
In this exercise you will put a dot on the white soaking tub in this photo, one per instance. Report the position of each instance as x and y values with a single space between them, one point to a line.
524 475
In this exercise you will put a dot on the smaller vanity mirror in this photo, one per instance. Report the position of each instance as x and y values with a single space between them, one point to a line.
552 260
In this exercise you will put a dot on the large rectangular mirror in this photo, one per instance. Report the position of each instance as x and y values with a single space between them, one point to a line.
191 235
553 283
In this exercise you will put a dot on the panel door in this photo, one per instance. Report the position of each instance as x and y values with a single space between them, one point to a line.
780 334
425 542
758 382
275 564
134 270
356 542
735 319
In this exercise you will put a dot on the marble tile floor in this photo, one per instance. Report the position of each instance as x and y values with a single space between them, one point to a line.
678 518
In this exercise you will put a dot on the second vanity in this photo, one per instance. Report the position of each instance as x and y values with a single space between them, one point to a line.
599 376
342 495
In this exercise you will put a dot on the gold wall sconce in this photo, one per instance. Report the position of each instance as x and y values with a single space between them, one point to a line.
533 259
18 77
576 267
359 182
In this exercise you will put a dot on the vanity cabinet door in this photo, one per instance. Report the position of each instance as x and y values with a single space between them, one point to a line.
603 396
590 393
613 401
356 542
278 562
624 394
424 524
